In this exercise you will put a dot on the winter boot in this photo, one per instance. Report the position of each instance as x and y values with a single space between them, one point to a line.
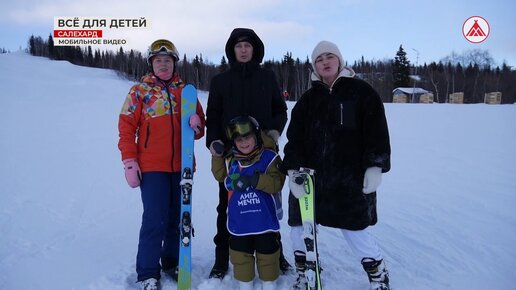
220 267
217 273
377 273
268 285
284 265
245 285
300 259
169 267
150 284
173 272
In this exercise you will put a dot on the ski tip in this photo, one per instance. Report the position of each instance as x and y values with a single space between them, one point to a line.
189 91
189 87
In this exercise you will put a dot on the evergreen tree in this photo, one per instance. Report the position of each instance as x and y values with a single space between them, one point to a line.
185 70
202 71
223 65
89 57
79 56
32 48
197 65
287 73
97 60
131 65
119 61
401 69
51 47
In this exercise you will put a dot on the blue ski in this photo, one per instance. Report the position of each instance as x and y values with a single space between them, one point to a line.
188 107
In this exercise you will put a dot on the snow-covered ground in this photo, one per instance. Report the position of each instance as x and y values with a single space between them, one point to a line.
68 220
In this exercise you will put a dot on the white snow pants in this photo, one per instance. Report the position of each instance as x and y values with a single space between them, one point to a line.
361 242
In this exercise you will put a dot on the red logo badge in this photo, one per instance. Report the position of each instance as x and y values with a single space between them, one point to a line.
475 29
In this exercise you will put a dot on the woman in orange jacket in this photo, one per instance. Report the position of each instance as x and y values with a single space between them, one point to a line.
150 142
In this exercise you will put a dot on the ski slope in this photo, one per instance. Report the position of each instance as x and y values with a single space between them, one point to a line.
68 220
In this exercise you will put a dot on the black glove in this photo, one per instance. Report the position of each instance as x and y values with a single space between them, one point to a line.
244 182
217 148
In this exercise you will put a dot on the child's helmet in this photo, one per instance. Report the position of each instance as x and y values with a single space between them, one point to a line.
243 126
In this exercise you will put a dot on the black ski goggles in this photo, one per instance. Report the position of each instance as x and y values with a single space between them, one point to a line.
236 129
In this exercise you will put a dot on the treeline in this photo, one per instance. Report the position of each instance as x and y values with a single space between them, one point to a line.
472 72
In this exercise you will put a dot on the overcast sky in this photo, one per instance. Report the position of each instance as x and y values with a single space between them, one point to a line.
373 29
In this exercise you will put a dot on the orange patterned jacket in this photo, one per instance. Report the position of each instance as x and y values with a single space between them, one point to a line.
149 129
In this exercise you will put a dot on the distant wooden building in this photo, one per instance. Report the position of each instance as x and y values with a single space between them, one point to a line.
427 98
493 98
404 95
456 98
401 98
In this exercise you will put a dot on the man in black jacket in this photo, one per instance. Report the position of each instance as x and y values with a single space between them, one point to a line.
245 89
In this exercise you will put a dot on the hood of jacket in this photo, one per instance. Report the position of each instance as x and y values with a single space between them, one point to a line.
252 37
345 72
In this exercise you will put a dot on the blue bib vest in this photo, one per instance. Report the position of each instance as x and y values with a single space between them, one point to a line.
252 211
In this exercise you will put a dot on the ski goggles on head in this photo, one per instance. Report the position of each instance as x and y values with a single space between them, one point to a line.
163 46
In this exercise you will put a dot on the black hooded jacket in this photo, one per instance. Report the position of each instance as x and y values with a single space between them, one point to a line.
245 89
340 133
